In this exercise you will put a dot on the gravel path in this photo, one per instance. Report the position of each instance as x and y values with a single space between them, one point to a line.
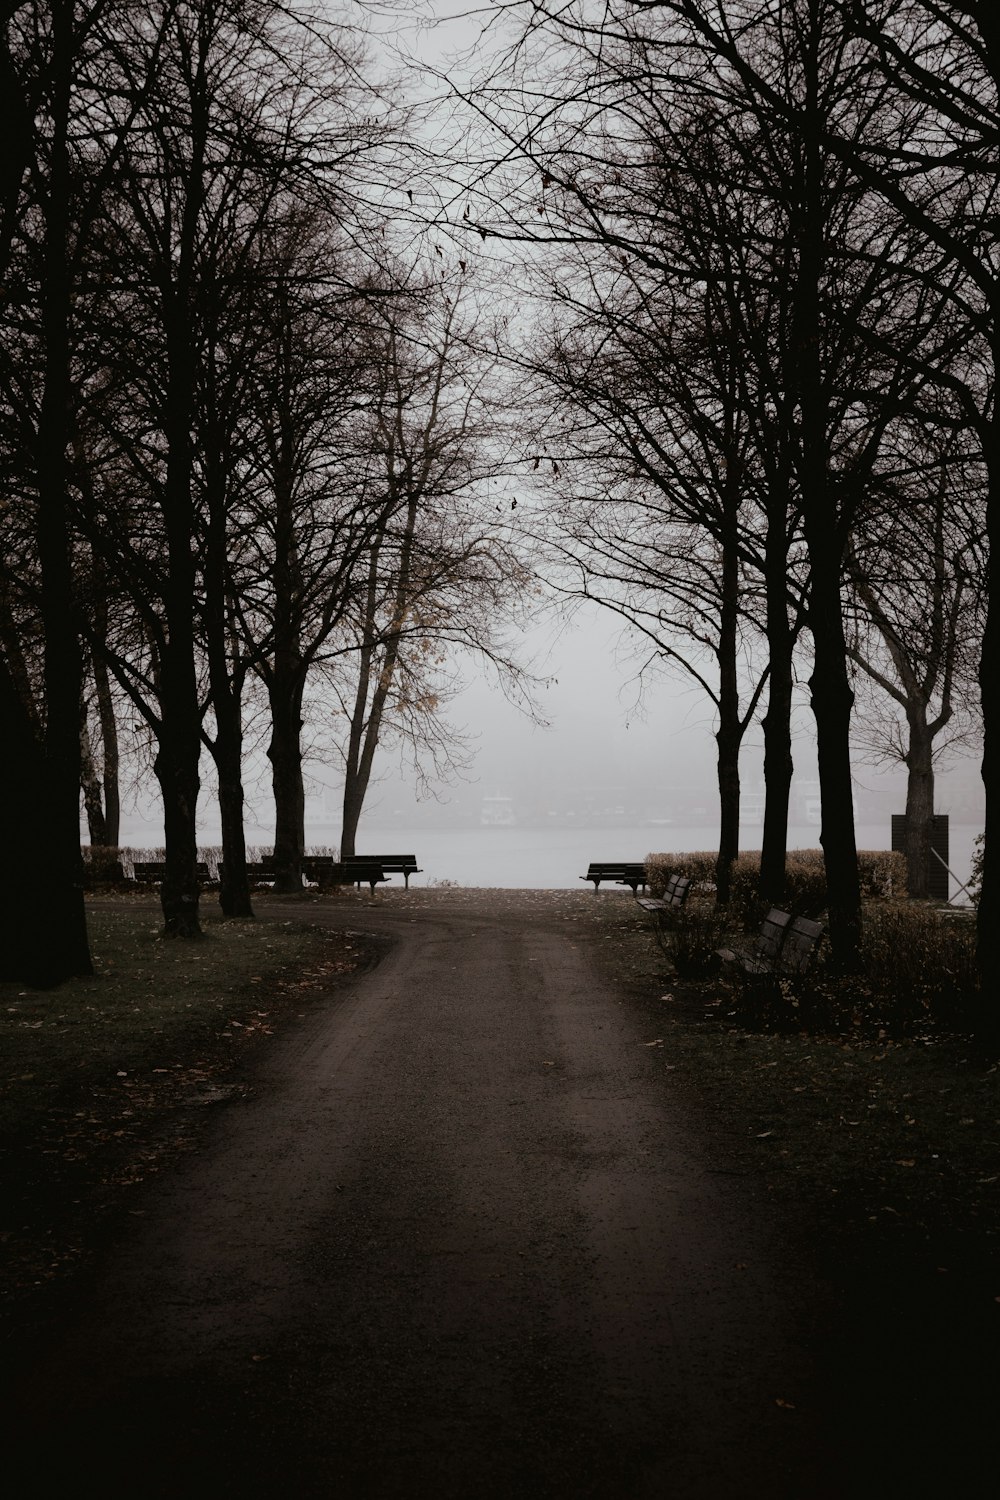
458 1242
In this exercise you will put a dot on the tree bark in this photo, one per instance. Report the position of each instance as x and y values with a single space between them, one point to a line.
287 673
234 887
66 948
832 695
225 669
729 735
354 801
832 700
919 804
91 785
179 750
285 755
778 764
110 760
32 949
988 916
180 890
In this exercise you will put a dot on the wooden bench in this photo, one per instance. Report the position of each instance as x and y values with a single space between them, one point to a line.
355 865
152 872
785 946
624 872
258 871
361 869
104 872
675 893
321 869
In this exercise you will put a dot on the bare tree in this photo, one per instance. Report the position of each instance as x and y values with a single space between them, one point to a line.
441 573
756 91
914 565
56 176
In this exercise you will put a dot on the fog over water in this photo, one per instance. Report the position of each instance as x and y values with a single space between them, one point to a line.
607 779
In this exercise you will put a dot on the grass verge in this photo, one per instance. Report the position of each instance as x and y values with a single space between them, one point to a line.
866 1131
107 1078
879 1163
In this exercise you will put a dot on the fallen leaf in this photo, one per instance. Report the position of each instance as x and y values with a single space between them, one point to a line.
785 1405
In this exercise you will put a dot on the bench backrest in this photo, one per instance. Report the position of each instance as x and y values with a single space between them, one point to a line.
801 940
398 861
772 934
676 889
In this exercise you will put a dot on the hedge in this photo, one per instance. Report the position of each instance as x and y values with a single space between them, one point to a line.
882 873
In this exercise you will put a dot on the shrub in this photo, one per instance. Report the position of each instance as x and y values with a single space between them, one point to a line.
918 974
882 874
699 869
103 864
695 933
912 953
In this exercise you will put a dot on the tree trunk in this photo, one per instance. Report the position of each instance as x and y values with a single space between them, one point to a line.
919 805
728 770
110 760
234 888
285 755
832 701
354 801
32 949
65 942
366 719
180 890
91 785
225 668
287 676
179 750
832 695
729 735
988 916
778 765
355 781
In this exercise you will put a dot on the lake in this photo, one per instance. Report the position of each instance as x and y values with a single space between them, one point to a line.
550 858
555 858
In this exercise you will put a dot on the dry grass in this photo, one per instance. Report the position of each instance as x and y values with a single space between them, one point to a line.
105 1079
853 1130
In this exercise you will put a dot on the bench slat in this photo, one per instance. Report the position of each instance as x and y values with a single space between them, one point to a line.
785 945
389 864
630 872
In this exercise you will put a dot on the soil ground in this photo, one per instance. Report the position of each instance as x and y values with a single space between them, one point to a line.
484 1219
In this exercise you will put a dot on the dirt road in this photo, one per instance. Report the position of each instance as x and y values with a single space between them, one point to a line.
458 1242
